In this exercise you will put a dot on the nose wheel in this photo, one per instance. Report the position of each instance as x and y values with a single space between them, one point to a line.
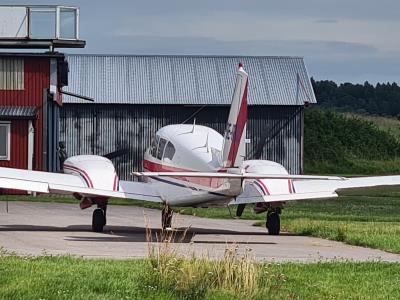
166 217
99 219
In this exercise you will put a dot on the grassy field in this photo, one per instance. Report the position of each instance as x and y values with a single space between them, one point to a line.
388 124
73 278
370 218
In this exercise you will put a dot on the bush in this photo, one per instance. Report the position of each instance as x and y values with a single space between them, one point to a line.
334 143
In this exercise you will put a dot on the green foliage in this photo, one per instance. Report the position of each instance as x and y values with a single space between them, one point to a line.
334 143
390 125
382 99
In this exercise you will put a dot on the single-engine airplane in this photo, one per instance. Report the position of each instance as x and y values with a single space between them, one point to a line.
190 165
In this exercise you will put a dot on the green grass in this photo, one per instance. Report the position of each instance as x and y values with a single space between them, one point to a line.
353 166
388 124
74 278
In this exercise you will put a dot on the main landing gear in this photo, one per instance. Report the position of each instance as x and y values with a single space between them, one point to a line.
273 222
166 217
99 219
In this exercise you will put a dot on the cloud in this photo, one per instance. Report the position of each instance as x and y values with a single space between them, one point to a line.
326 21
348 39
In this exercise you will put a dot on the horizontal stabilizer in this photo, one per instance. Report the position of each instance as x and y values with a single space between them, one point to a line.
283 197
235 176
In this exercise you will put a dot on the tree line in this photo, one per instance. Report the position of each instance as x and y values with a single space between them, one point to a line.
381 99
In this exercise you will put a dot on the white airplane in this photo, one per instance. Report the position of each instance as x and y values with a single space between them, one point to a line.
190 165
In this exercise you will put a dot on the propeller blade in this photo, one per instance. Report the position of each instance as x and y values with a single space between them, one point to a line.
240 209
117 153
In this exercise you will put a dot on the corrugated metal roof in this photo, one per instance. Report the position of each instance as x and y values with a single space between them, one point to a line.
134 79
18 112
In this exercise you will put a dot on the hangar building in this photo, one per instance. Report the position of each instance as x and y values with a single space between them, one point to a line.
135 95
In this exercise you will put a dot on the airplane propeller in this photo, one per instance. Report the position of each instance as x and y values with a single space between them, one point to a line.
117 153
240 209
62 153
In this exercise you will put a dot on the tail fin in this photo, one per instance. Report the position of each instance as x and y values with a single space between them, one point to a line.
234 149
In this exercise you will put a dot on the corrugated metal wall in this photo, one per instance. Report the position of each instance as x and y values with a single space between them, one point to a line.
100 129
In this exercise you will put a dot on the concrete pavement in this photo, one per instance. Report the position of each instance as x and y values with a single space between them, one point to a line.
63 229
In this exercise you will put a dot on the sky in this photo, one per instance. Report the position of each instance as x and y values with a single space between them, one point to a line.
340 40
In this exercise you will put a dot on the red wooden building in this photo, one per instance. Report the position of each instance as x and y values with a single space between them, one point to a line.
29 102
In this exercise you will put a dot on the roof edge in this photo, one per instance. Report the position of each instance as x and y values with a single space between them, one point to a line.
184 55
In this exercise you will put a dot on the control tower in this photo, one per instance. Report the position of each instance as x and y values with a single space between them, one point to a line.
39 27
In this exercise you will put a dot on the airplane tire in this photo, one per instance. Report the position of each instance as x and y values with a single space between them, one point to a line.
98 220
273 223
166 217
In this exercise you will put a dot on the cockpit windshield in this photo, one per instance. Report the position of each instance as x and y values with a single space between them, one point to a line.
161 146
169 152
153 147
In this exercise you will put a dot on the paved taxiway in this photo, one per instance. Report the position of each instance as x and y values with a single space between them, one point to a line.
60 229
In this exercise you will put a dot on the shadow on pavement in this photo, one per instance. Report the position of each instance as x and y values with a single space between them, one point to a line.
138 234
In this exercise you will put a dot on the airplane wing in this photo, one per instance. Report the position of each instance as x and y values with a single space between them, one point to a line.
262 190
58 183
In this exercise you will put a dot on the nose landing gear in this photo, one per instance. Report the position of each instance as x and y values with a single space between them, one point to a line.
166 217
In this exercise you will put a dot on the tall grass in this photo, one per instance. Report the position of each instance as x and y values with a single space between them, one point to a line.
192 277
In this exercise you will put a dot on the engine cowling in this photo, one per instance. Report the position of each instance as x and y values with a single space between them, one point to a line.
269 186
95 171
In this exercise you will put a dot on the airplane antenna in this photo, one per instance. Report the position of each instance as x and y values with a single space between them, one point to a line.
195 113
194 124
205 145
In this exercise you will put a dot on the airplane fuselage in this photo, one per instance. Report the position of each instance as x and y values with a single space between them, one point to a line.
189 148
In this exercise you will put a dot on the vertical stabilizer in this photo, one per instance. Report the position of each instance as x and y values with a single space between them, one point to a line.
234 150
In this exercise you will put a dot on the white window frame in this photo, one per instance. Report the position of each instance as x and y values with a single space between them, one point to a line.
8 126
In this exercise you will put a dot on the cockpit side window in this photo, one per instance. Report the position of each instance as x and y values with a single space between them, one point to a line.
169 152
161 146
153 147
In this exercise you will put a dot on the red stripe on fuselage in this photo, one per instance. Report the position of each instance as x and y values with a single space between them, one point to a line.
203 181
240 123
